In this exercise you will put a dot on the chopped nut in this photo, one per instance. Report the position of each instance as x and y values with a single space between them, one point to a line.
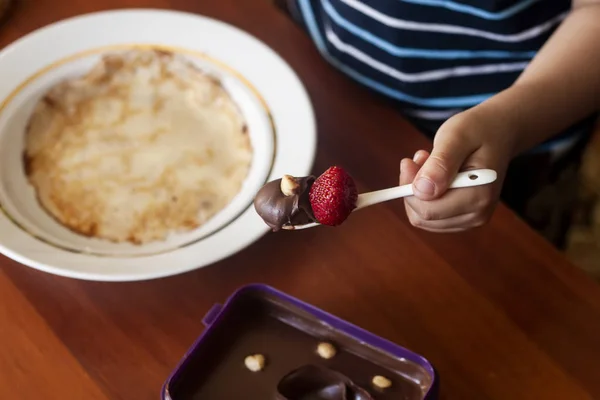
289 185
326 350
255 362
381 382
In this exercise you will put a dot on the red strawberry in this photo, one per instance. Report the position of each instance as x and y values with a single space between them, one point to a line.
333 196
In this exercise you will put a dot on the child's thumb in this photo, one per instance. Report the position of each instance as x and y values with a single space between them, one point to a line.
436 175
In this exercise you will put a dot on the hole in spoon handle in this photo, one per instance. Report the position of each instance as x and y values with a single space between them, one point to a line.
474 177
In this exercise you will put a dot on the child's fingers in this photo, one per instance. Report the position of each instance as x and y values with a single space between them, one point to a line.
453 224
450 151
454 203
410 168
420 157
408 171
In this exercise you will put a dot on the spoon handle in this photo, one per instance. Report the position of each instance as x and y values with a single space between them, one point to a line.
474 177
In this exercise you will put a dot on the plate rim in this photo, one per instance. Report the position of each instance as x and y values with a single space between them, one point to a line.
237 246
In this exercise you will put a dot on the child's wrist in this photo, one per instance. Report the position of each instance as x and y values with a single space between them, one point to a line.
504 115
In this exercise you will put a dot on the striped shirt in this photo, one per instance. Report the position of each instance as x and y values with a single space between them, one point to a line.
434 58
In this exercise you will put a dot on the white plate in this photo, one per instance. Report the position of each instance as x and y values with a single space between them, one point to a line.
276 107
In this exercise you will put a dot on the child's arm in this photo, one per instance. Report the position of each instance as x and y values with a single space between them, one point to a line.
560 87
562 83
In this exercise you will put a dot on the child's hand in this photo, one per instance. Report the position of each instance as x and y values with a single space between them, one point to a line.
466 141
559 87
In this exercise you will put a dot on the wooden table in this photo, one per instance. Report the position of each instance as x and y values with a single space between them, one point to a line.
498 311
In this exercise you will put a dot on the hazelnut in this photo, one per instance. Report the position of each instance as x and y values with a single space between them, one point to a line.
255 362
326 350
289 185
381 382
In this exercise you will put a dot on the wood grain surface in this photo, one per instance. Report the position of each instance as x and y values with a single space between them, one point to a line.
498 311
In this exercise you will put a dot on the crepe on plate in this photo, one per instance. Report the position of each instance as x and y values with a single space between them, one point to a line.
143 145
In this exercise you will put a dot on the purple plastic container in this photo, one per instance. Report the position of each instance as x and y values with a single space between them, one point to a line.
213 367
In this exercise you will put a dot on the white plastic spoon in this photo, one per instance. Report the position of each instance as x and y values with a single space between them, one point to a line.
475 177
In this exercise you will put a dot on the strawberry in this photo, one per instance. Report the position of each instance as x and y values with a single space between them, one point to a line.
333 196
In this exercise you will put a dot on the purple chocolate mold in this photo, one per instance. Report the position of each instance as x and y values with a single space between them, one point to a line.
216 314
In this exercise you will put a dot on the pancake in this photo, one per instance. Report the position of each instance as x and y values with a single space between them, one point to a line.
143 145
